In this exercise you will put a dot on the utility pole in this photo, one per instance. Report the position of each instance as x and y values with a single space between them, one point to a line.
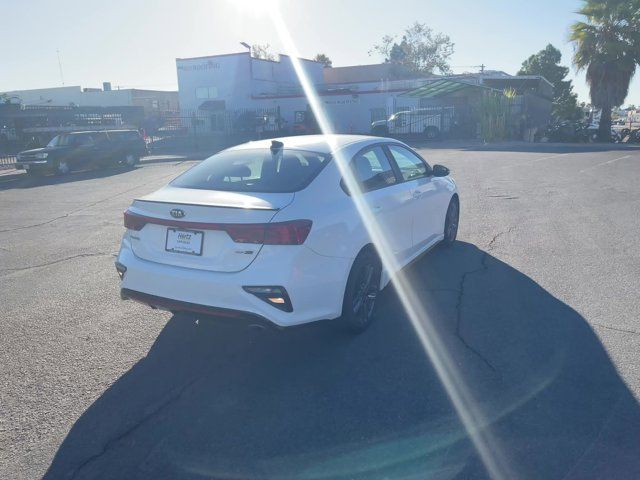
60 67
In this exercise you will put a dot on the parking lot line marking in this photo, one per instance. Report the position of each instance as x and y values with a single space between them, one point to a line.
605 163
535 160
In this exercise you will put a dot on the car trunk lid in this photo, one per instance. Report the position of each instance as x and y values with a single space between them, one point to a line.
192 228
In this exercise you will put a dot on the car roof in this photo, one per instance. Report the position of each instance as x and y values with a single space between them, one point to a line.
101 131
315 143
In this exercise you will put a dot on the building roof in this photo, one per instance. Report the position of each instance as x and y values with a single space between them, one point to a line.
314 143
441 87
368 73
278 55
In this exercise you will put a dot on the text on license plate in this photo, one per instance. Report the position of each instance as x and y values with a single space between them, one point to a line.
184 241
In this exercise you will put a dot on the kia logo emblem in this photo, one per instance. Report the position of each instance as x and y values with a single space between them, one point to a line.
177 213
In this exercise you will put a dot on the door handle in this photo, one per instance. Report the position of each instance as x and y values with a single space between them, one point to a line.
417 194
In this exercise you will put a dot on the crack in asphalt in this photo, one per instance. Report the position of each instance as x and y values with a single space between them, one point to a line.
617 329
172 398
60 260
461 290
504 197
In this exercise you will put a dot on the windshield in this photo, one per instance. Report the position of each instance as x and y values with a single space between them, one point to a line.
61 141
255 170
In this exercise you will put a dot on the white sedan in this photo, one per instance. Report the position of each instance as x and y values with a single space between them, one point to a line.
268 230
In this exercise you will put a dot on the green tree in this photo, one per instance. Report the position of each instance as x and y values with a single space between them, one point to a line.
546 63
607 47
322 58
262 51
419 49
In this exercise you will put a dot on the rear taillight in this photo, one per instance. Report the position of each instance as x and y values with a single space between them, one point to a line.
274 296
293 232
133 221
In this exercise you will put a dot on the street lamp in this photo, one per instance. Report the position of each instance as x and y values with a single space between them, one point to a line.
248 47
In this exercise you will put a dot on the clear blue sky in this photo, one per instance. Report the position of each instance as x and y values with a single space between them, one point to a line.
133 43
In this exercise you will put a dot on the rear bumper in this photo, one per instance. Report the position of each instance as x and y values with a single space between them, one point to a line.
178 306
315 284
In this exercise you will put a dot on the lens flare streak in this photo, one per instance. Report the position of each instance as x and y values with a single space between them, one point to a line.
466 407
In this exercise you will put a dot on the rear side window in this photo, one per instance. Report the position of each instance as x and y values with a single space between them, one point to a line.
372 170
125 135
99 137
411 166
254 170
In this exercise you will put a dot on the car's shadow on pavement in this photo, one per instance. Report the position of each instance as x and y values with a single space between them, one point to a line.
219 402
24 181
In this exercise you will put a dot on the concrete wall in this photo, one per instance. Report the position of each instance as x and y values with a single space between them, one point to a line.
155 101
235 78
227 78
151 100
65 96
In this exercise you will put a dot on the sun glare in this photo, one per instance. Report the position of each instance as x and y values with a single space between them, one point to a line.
254 7
468 410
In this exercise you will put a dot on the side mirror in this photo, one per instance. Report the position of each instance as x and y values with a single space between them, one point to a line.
440 171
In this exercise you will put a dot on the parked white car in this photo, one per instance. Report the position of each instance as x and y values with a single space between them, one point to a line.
268 230
427 122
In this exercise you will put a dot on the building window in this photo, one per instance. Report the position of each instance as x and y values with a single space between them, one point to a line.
206 92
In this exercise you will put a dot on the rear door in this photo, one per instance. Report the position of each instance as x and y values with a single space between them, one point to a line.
84 152
386 197
101 149
427 195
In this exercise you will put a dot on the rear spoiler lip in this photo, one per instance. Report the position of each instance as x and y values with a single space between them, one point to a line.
208 205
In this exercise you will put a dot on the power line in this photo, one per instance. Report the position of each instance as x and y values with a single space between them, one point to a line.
60 67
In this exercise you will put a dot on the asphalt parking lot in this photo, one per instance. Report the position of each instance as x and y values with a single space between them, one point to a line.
537 305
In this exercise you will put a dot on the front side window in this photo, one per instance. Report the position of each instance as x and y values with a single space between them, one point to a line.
100 137
254 170
372 170
410 165
124 135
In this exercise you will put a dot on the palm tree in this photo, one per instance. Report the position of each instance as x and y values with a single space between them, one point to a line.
607 46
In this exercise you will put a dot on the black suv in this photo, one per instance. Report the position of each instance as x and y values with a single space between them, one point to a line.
82 150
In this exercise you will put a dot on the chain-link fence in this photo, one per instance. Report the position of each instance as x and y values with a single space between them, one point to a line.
202 129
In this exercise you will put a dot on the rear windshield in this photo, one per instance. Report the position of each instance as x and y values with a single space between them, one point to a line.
254 170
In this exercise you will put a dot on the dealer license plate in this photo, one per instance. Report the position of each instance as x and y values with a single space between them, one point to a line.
184 241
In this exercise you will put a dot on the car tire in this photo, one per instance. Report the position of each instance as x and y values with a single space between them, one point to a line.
380 131
451 221
431 133
131 159
360 294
